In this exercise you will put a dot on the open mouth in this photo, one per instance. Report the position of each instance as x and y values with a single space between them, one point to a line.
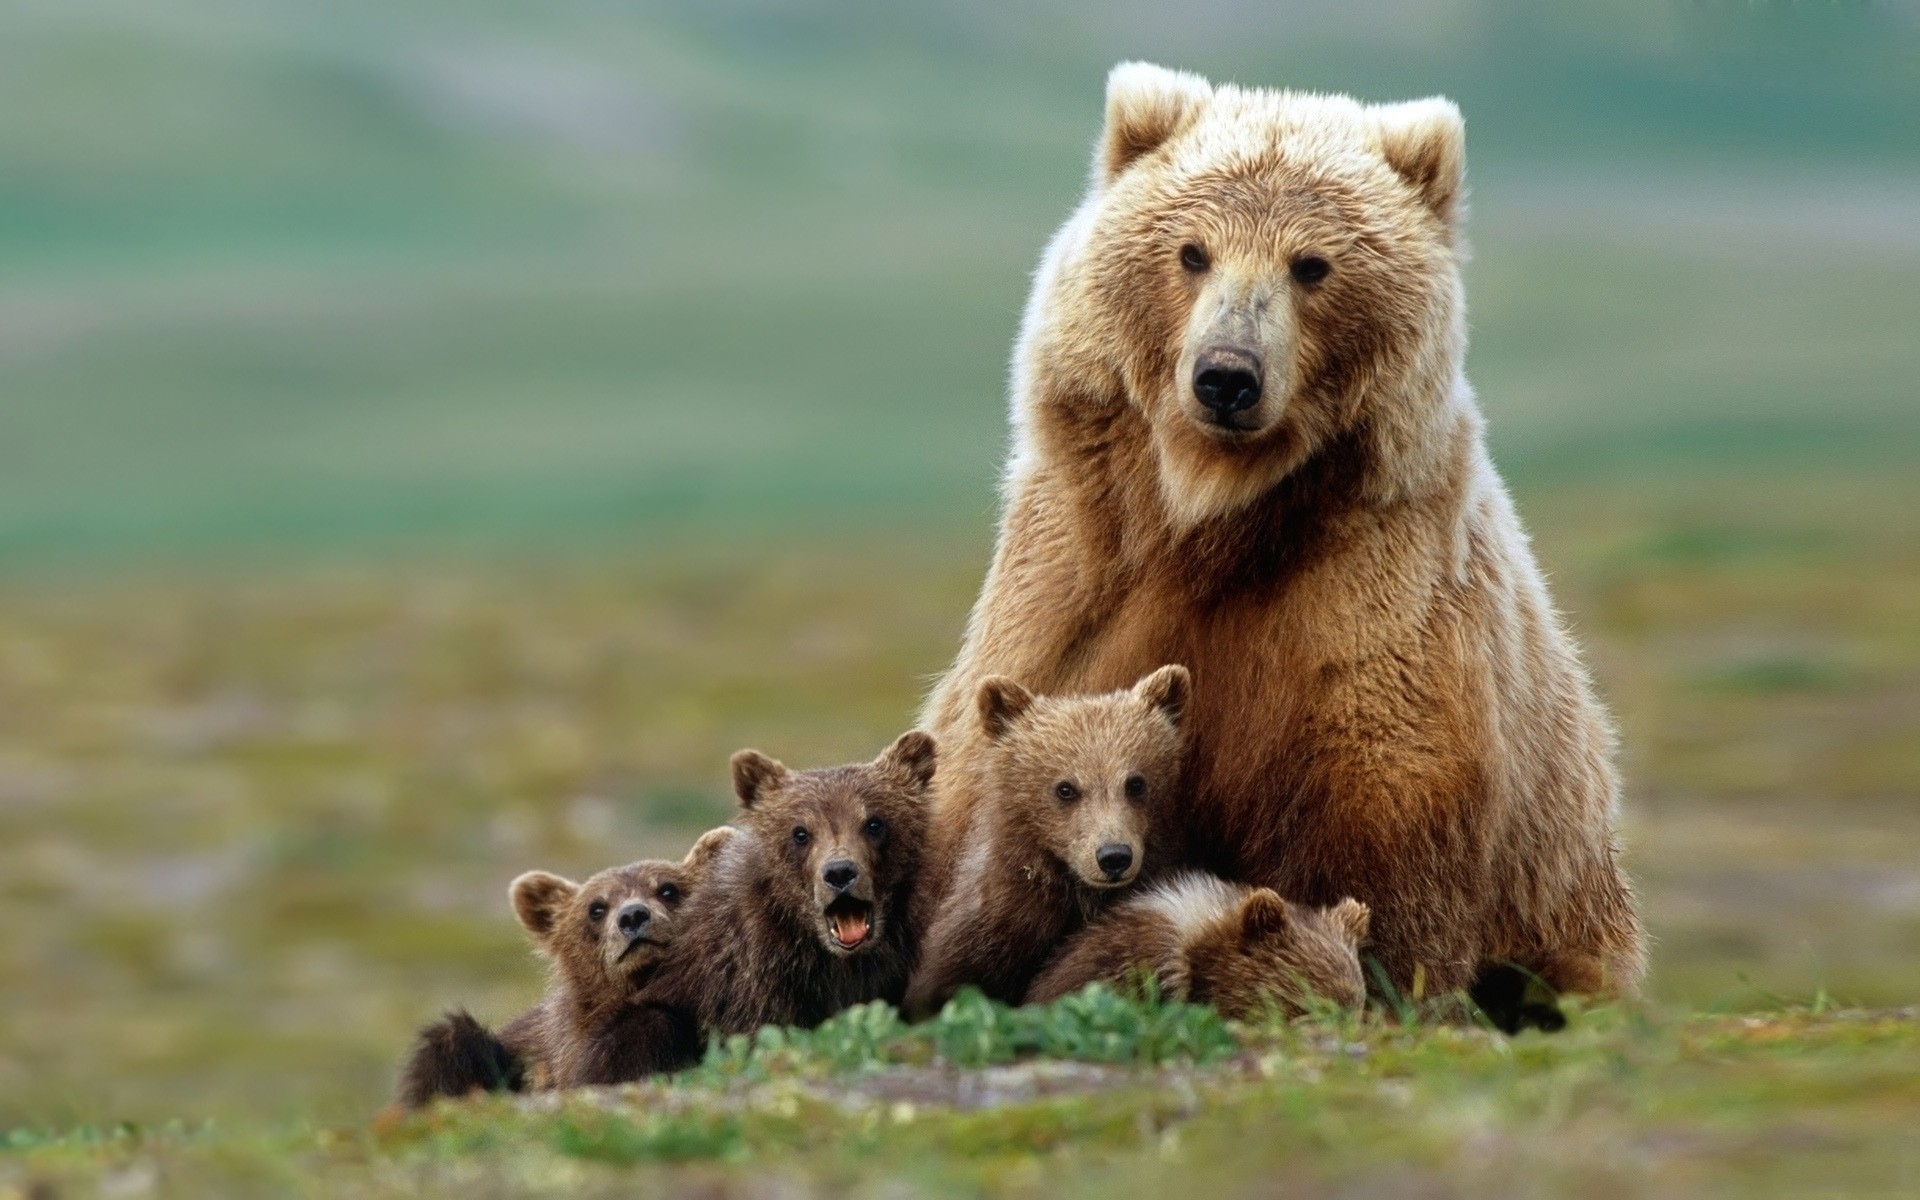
850 921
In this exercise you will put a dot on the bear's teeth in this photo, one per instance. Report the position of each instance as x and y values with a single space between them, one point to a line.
850 929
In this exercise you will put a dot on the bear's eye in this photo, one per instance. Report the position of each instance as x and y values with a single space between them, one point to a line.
668 892
800 835
875 827
1193 258
597 910
1310 268
1136 786
1066 791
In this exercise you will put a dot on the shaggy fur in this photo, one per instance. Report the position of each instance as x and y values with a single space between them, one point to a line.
1386 705
1243 950
596 966
1067 777
806 912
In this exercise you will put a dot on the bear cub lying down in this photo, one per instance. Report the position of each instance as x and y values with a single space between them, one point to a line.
604 938
1243 950
803 913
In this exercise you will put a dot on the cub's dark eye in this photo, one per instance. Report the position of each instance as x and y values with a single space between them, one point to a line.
1136 786
1310 268
875 827
669 893
1194 259
597 910
1066 791
800 836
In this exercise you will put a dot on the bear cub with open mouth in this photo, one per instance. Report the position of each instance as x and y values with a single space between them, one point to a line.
605 938
1069 795
805 912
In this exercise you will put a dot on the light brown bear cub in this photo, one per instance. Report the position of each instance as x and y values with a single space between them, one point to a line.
605 938
1242 949
806 912
1069 793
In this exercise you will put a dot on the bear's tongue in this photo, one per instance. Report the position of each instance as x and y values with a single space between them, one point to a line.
850 926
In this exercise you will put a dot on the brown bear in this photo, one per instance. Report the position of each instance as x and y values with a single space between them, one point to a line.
604 939
804 913
1244 441
1064 810
1243 950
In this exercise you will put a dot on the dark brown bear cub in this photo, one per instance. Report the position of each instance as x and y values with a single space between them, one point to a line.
605 938
804 913
1243 950
1068 799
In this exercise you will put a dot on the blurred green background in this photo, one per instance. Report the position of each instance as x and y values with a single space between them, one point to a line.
433 435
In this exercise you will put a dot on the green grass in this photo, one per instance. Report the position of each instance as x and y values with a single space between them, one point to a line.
1626 1102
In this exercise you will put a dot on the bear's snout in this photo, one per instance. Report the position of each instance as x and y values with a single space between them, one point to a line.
1226 382
1113 859
633 918
840 874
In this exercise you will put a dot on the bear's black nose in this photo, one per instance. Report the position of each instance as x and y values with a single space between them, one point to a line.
1114 859
1226 380
840 874
633 917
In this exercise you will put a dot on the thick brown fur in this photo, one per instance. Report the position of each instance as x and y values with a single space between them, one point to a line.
596 966
764 943
1065 777
1243 950
1386 705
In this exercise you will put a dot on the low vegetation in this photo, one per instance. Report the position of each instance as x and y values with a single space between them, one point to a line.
1100 1095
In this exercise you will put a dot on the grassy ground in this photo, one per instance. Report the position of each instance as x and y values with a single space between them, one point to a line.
1622 1103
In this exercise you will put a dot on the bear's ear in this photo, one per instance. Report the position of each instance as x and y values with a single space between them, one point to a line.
754 775
1263 915
1352 918
1001 702
1146 105
1167 690
910 759
704 851
538 898
1425 142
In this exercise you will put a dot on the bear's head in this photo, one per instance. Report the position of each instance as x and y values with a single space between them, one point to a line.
1272 953
1077 777
608 933
1261 276
837 848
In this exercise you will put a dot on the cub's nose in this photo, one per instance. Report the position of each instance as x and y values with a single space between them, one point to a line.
1114 859
633 917
840 874
1226 380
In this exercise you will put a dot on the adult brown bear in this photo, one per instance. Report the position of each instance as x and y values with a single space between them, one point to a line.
1244 442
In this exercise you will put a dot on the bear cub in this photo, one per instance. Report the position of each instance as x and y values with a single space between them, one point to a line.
1070 787
804 913
1242 949
604 938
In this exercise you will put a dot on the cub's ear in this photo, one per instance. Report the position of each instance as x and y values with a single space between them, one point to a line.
1146 106
704 851
1167 690
538 898
910 759
1425 142
1352 918
1263 915
1001 702
754 775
